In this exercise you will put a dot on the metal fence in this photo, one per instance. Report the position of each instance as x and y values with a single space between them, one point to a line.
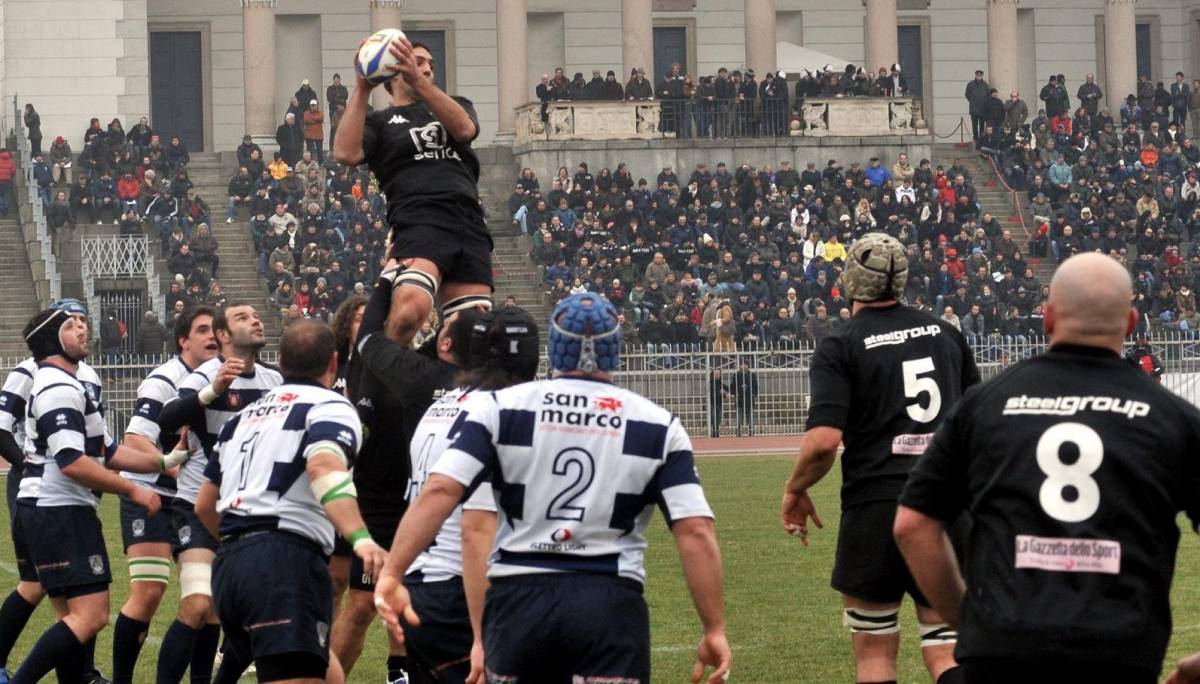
680 380
37 209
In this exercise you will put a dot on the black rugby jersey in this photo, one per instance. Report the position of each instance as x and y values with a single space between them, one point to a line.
886 379
1074 466
429 178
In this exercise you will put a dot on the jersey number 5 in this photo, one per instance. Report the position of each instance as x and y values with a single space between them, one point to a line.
1075 477
915 385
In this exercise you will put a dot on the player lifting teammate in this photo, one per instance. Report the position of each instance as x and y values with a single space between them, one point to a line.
150 540
574 503
448 580
206 398
420 150
880 386
277 492
1074 465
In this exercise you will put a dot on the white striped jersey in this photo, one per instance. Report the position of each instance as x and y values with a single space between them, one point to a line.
155 391
262 455
577 466
438 428
14 398
203 432
63 424
97 430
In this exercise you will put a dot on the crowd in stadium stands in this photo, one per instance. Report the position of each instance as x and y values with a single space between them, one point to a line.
1124 183
751 256
725 104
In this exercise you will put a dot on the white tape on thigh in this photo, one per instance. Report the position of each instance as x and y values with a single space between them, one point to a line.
418 279
937 635
149 569
872 621
195 578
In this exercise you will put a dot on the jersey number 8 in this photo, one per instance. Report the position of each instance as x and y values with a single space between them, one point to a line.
1076 476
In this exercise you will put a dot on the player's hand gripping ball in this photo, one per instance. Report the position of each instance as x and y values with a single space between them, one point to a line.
375 63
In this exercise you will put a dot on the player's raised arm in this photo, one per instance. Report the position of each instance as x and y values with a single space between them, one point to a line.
417 71
348 143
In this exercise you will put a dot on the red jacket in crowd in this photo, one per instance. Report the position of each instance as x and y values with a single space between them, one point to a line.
129 188
7 168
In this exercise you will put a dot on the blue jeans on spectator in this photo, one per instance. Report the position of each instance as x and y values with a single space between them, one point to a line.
520 218
5 195
44 194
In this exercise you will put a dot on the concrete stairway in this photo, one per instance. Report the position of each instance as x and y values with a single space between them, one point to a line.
517 276
18 301
239 267
994 197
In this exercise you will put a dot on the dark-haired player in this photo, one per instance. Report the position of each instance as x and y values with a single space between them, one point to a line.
880 386
420 150
448 580
210 395
1074 465
150 540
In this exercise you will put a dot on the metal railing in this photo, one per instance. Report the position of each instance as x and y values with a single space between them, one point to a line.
37 209
772 400
116 256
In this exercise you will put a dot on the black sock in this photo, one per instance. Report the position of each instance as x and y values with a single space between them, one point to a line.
205 650
175 654
14 615
128 636
231 668
56 647
89 656
397 666
952 676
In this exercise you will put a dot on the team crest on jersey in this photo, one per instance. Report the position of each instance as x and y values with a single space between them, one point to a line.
185 534
97 564
233 399
138 527
430 141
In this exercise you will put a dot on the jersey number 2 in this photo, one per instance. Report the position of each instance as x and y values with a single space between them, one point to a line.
915 385
568 462
1077 476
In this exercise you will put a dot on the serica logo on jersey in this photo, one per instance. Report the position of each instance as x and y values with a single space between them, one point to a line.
430 140
579 409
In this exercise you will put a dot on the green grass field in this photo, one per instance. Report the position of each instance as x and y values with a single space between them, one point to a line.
784 620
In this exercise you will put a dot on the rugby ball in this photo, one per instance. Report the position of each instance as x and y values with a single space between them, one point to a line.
374 62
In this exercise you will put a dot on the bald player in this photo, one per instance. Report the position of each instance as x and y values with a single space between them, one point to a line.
1074 465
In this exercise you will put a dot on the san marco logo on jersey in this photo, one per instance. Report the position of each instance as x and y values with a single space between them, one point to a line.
579 410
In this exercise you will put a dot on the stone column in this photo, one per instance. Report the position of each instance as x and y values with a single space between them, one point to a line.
1002 46
258 63
512 63
760 36
882 42
637 40
385 14
1120 53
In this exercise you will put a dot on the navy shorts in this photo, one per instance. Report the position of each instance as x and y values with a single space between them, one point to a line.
68 550
383 532
20 519
462 255
341 547
566 627
139 527
189 531
440 647
274 595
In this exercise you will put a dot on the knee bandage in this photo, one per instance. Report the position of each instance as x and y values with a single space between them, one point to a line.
418 279
195 578
877 622
149 569
465 303
937 635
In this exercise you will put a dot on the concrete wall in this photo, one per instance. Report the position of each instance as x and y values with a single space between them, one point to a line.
647 157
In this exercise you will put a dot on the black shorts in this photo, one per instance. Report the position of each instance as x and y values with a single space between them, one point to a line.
21 519
189 531
291 613
462 255
139 527
68 550
440 647
566 627
1007 670
383 532
868 565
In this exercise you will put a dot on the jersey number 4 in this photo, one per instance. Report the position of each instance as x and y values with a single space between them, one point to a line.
916 384
1069 493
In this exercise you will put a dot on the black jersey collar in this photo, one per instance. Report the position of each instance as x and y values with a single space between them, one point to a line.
1084 350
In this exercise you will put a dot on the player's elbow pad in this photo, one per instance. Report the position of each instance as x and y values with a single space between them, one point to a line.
333 487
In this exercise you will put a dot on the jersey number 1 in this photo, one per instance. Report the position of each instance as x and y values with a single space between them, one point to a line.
1077 476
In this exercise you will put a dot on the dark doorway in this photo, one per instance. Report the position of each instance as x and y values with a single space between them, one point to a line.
1145 64
436 42
670 47
177 87
909 44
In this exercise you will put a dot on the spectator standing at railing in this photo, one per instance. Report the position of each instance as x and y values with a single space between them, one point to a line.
151 335
977 95
314 134
33 128
638 88
745 388
290 138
